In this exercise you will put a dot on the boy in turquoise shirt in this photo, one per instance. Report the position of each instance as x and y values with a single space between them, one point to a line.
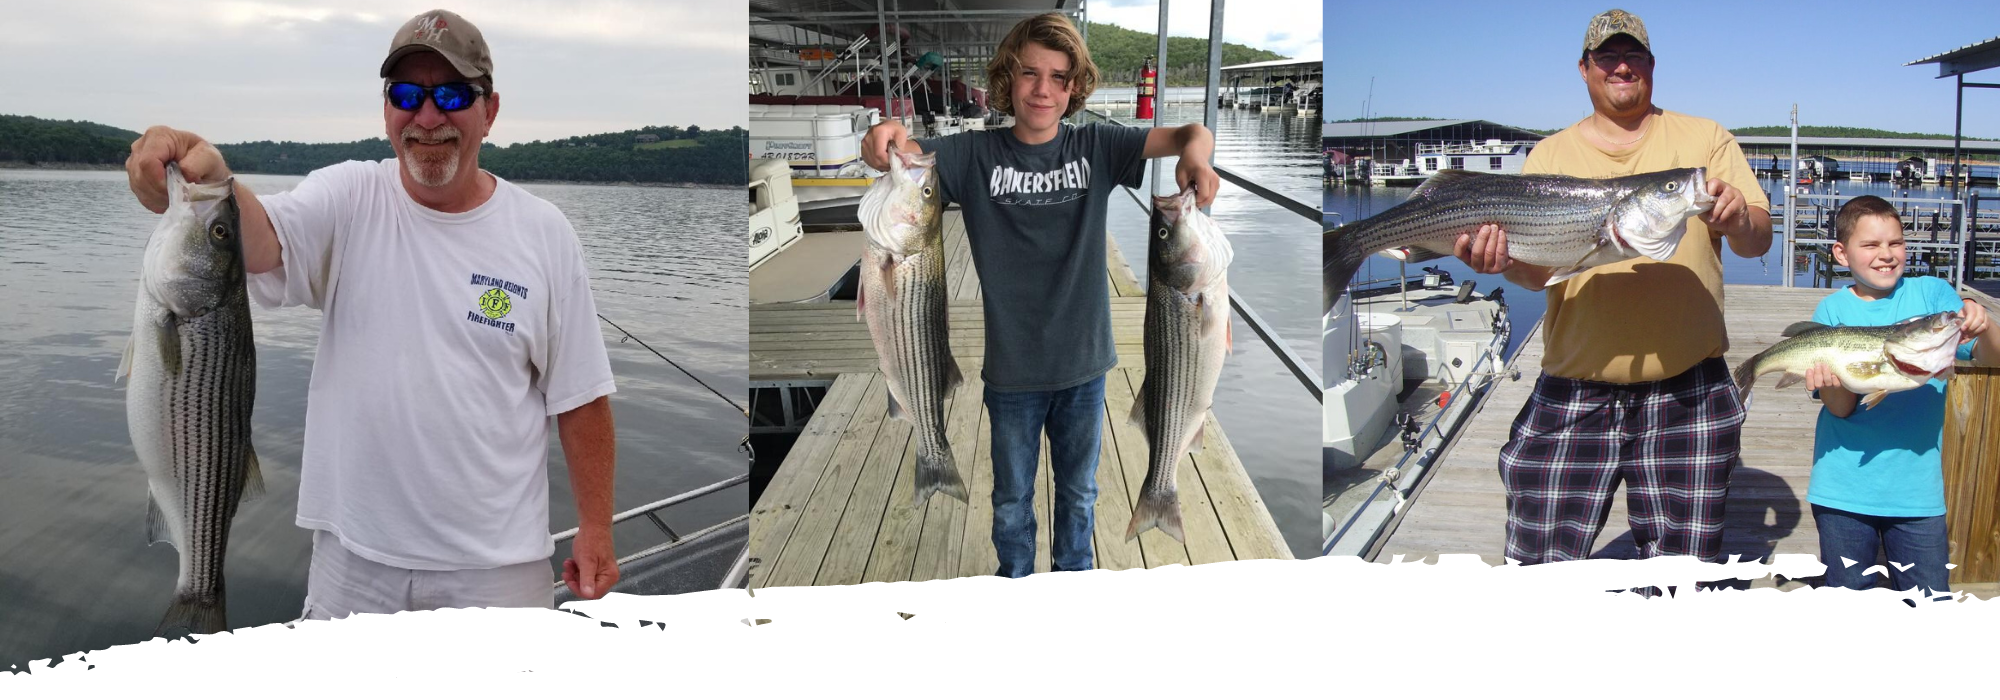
1878 477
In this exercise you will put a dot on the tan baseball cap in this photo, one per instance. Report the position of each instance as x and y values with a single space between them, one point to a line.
1613 23
447 34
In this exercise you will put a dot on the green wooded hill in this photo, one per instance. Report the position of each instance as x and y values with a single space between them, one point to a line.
36 141
655 154
1119 52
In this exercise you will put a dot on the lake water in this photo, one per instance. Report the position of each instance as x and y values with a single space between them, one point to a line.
1268 413
75 571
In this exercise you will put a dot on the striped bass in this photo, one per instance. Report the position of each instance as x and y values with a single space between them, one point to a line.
903 299
191 378
1187 335
1568 224
1871 361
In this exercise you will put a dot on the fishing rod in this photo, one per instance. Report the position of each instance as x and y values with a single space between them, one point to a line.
697 380
742 446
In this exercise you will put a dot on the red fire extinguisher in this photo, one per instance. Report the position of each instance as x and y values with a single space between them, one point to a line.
1147 76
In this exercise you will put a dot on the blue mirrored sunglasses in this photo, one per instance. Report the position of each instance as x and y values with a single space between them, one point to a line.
449 97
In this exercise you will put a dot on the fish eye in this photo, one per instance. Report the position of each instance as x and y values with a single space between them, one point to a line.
219 231
1163 232
1673 186
927 192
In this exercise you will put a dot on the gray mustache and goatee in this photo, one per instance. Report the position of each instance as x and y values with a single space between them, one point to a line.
191 371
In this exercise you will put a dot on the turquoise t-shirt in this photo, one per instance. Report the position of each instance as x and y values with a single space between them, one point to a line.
1886 460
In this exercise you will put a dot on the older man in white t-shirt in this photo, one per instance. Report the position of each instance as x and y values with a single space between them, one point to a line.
458 318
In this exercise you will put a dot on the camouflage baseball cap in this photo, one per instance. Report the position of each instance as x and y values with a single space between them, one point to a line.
447 34
1613 23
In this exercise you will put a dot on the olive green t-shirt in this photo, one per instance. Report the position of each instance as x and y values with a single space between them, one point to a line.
1643 320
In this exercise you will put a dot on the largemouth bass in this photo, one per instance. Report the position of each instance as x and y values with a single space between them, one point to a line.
191 370
903 299
1568 224
1187 335
1871 361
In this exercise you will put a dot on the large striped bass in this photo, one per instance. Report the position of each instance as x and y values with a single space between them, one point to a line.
1187 335
1871 361
1568 224
903 298
191 371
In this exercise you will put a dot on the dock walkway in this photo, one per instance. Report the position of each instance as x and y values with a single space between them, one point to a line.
838 509
1463 508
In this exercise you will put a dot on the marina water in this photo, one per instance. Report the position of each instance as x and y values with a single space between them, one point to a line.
75 569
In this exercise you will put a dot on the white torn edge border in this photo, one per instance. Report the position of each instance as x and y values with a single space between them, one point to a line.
1329 626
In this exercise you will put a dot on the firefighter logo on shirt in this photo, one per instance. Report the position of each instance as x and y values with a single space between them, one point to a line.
495 303
496 300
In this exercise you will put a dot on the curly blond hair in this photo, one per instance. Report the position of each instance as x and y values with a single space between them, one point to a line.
1054 31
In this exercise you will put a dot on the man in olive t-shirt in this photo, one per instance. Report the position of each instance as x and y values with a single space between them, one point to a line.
1633 385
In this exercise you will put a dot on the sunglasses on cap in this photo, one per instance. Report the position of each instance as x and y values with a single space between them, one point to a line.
449 97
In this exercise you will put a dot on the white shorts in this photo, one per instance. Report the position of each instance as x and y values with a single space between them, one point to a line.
342 583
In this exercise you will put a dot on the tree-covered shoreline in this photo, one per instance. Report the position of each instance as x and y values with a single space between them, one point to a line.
1119 52
664 155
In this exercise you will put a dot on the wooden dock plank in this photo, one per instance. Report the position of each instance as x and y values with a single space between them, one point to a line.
975 551
1245 518
838 510
777 511
1462 509
799 563
893 454
894 554
942 529
1123 282
1971 454
1114 504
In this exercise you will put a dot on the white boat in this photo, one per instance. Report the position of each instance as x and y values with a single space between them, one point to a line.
818 140
1407 364
1490 156
1403 174
786 263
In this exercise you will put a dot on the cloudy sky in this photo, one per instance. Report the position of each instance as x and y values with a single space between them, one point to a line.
1741 64
1289 27
305 70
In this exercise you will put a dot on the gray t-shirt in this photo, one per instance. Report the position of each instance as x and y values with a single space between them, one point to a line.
1034 216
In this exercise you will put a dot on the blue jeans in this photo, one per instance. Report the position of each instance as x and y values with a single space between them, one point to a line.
1919 543
1073 418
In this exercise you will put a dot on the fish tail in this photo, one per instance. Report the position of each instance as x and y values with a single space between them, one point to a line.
1339 259
1161 509
938 474
1746 377
195 615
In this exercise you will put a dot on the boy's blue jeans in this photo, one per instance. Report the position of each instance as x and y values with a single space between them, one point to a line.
1919 543
1073 418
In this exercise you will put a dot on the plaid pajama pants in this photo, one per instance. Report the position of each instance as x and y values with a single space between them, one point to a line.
1673 442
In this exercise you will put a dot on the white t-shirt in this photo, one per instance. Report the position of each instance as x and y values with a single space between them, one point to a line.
449 341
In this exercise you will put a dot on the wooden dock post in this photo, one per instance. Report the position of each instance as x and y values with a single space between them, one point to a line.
1972 473
1972 465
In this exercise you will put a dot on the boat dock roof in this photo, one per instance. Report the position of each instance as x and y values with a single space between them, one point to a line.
1463 507
838 509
